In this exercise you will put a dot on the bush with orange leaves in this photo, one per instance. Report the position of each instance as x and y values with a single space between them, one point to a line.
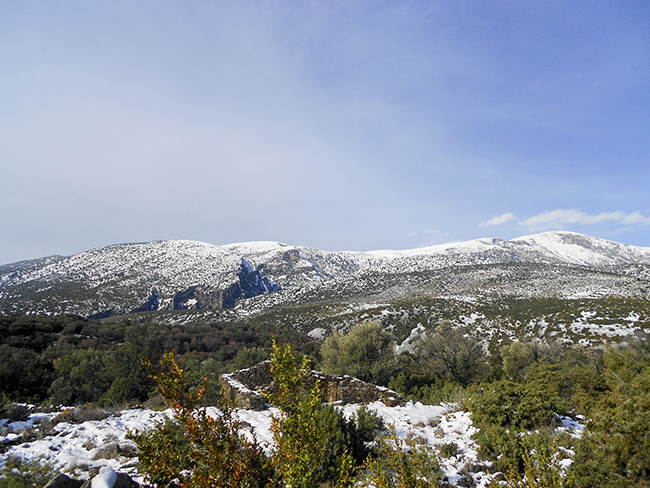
196 449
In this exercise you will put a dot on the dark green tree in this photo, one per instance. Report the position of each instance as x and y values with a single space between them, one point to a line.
615 450
451 354
365 352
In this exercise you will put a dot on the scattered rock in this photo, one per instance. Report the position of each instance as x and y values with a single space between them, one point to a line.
102 478
63 481
124 481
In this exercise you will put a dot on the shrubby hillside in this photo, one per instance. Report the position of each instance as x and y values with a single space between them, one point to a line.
523 336
517 387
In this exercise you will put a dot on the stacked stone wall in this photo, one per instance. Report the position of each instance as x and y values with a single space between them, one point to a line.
247 388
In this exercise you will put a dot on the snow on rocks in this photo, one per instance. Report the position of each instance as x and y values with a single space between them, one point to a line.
435 426
409 343
77 448
105 478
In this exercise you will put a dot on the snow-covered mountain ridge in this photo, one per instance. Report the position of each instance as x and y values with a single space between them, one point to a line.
192 275
548 247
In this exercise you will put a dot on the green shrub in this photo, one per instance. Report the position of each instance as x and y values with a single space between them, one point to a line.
364 428
450 354
12 411
18 473
248 356
508 404
505 411
25 375
542 468
311 443
441 391
517 358
614 449
501 447
212 452
365 352
448 450
81 378
128 381
81 414
315 444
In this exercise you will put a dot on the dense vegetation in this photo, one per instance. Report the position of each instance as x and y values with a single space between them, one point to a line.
68 360
517 389
518 395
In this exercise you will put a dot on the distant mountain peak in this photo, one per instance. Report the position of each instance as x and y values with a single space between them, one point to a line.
184 274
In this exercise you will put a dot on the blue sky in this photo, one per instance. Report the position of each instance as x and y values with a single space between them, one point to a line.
353 125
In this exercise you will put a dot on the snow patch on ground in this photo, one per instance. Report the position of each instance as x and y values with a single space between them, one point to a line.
471 319
435 425
574 428
409 343
318 334
104 479
76 448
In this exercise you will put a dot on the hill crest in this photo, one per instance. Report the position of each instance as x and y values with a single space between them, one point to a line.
184 274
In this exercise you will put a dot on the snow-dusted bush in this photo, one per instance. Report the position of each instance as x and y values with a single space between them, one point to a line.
199 450
18 473
314 444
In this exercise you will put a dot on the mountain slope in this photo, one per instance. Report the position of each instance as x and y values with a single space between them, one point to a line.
166 275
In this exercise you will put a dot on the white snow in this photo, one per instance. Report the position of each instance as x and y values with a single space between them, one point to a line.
471 319
104 479
435 425
318 333
170 266
573 427
75 447
409 343
568 247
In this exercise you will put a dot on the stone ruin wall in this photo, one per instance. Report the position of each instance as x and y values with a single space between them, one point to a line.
246 388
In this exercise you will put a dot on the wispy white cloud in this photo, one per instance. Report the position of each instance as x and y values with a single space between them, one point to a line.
636 218
498 220
560 217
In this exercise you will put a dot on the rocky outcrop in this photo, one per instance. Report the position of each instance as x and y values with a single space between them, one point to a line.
251 284
152 303
196 298
247 388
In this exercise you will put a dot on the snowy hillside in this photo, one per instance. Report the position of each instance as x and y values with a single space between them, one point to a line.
172 275
548 247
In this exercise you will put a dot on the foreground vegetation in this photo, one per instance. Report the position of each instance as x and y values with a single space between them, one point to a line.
517 391
315 446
